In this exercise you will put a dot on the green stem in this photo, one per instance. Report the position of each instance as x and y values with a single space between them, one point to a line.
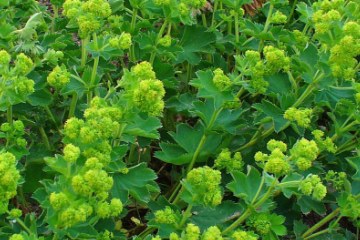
132 30
203 17
289 183
203 139
254 140
94 70
160 34
133 20
310 88
51 115
344 129
321 223
131 153
73 103
268 18
178 195
317 234
292 81
9 114
259 189
22 224
188 73
267 25
117 140
292 12
83 51
173 194
56 11
45 138
185 216
237 36
248 210
147 231
216 4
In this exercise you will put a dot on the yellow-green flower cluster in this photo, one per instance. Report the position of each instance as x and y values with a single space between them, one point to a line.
166 216
278 18
121 42
162 2
203 183
244 235
276 59
165 41
115 21
58 77
16 237
212 233
276 162
197 4
112 209
301 38
5 59
15 213
53 56
144 91
101 123
89 15
324 144
192 232
343 57
324 20
301 116
231 163
71 153
304 152
15 85
337 179
88 147
221 81
14 134
312 185
23 64
148 97
9 177
252 66
260 222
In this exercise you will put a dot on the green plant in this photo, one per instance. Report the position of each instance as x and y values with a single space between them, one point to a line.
178 119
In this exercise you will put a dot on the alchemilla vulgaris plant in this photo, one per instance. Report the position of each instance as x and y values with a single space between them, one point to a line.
179 119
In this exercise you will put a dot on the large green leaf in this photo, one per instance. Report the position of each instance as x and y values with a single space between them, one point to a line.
273 111
206 217
246 186
138 183
195 40
188 139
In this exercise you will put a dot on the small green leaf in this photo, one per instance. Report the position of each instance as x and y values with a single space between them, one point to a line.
143 127
246 186
307 204
273 111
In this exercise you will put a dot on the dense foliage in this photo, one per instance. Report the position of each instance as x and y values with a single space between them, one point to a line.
179 119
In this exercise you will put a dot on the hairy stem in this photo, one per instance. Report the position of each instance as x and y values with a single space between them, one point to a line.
45 138
321 223
83 51
185 216
73 103
9 114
